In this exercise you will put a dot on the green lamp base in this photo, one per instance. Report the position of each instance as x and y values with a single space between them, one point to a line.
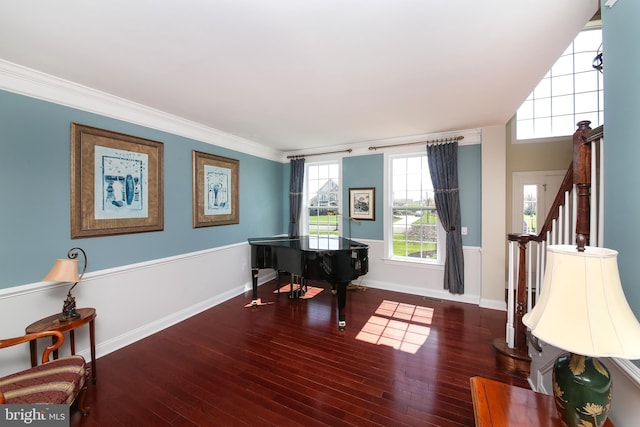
582 390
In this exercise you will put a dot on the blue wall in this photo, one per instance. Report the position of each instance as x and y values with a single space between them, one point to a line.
622 142
470 183
35 194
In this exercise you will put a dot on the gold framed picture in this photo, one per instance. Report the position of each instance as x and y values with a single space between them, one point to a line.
362 204
117 183
215 190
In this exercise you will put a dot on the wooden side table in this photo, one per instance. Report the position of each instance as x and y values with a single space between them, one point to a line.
53 322
498 404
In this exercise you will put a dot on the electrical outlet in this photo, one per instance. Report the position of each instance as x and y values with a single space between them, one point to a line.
463 230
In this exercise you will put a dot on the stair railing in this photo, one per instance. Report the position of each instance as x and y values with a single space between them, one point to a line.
574 217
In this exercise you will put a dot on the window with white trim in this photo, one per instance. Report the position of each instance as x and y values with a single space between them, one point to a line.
570 92
415 232
323 201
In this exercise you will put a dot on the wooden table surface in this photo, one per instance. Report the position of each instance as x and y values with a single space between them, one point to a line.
53 322
497 404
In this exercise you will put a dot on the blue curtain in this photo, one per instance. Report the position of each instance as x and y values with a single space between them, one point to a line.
443 167
296 185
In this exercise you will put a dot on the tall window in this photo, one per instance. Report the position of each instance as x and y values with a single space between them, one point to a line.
570 92
322 191
416 232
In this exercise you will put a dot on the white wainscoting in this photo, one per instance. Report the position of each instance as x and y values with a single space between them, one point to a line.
132 301
625 410
419 279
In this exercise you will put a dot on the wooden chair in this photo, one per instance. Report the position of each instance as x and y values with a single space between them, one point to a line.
61 381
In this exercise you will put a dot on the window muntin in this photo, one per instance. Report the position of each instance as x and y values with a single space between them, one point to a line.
415 233
570 92
322 194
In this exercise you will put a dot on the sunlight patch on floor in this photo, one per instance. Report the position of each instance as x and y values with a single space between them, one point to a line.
398 325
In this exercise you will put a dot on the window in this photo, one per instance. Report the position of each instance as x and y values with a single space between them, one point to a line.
530 209
570 92
322 190
415 231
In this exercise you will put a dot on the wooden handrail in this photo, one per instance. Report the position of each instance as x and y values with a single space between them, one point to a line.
595 134
554 212
584 135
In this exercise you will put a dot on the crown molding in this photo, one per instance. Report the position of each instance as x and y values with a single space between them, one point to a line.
35 84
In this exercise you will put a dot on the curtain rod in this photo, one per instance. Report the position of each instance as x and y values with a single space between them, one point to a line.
299 156
431 141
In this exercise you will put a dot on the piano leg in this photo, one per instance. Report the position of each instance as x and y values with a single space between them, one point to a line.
342 299
254 285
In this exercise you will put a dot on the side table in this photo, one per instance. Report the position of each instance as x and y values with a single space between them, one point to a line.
500 404
53 322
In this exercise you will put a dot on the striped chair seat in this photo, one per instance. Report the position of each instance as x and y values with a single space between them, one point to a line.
55 382
61 381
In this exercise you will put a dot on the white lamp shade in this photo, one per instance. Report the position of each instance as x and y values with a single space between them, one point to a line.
582 308
64 270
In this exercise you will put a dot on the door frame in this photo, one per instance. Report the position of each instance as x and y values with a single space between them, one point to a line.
519 179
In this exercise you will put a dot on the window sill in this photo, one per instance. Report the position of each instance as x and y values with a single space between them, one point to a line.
417 264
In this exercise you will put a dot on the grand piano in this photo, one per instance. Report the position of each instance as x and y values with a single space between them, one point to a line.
336 260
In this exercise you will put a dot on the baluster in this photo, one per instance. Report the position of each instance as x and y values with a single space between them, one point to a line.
529 277
567 218
511 294
539 264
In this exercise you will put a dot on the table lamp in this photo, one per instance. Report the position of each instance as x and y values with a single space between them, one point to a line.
582 309
66 270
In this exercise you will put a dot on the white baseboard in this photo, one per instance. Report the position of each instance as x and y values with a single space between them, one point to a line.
415 290
493 304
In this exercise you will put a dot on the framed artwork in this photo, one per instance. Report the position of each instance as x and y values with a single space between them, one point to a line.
362 204
215 190
117 183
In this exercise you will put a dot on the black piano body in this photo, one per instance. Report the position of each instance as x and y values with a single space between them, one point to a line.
336 260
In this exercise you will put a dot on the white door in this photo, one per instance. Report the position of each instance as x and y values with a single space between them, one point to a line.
533 195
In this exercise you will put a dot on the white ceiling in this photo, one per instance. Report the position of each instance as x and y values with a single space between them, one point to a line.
302 74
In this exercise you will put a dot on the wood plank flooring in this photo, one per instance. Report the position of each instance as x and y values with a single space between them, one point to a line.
287 364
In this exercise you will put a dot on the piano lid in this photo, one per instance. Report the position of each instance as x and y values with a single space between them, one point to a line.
308 243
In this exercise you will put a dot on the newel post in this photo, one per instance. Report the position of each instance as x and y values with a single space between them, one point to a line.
516 360
582 181
520 341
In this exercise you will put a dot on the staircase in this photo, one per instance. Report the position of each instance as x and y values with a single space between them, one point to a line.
575 217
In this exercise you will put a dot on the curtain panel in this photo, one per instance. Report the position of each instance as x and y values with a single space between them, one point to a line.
296 185
443 167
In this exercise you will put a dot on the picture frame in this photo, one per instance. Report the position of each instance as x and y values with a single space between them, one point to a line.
117 183
362 204
215 190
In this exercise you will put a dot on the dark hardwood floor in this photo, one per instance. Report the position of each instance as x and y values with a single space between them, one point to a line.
287 364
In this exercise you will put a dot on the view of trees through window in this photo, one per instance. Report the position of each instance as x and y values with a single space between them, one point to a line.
323 201
415 221
530 210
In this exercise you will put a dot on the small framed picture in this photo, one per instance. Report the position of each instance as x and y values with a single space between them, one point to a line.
215 190
362 204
